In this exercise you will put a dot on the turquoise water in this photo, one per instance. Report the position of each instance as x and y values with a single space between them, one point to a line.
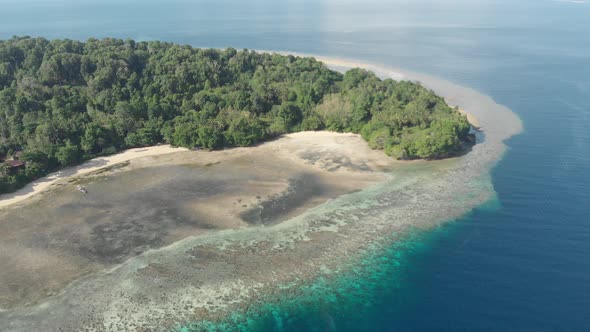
378 286
521 265
345 302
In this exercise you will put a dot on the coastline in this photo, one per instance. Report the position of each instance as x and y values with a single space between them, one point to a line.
470 118
153 202
241 264
454 94
96 164
476 105
40 185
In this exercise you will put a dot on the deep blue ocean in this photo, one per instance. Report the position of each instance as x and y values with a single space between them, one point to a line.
521 263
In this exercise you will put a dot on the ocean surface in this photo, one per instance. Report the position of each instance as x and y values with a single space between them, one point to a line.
518 263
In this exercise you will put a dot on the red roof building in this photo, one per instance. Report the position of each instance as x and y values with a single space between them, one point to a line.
14 164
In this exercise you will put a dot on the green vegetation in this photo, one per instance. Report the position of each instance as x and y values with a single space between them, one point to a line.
64 101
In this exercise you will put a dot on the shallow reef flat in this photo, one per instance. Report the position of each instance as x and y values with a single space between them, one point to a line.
214 232
149 203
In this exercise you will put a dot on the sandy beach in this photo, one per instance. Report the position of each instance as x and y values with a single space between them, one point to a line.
203 234
470 117
93 165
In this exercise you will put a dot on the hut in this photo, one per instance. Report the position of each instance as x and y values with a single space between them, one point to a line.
15 164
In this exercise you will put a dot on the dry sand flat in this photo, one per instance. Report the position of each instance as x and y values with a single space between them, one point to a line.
208 275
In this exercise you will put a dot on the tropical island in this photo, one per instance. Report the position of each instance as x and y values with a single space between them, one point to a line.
178 239
63 102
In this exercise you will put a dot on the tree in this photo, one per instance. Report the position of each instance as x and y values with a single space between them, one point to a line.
336 112
289 113
245 130
96 139
69 154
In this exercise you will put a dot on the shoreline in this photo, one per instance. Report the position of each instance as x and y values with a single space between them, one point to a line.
157 201
470 102
243 263
470 118
42 184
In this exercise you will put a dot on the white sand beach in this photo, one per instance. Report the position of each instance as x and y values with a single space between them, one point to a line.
46 182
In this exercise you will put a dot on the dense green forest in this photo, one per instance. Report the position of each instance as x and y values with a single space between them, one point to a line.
65 101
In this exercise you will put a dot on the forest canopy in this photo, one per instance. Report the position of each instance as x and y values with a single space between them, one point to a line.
66 101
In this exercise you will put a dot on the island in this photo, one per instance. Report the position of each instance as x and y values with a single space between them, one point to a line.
63 102
207 190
